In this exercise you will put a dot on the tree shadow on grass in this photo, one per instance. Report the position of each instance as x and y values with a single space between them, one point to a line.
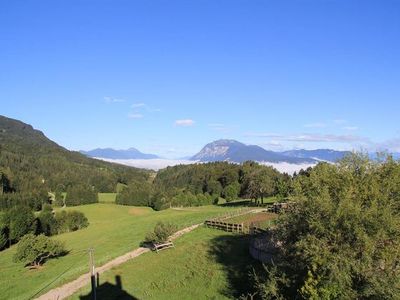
109 291
232 252
237 203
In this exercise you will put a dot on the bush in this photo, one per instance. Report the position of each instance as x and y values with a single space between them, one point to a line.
35 250
162 231
70 221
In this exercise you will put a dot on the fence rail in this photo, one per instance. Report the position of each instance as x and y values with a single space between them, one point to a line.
218 223
230 227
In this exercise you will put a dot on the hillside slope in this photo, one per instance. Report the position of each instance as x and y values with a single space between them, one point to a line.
30 162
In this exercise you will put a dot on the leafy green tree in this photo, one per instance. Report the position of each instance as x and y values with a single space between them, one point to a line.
35 250
261 183
47 223
20 221
341 240
231 192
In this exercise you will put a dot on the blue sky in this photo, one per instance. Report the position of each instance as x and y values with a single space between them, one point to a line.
167 77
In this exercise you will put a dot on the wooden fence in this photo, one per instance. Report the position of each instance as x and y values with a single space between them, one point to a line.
230 227
218 223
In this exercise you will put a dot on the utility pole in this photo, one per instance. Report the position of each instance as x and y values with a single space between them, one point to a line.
92 273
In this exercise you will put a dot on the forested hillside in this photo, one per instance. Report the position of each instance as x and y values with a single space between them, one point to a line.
202 184
31 165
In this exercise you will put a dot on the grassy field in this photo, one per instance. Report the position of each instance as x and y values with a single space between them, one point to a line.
205 264
107 197
113 231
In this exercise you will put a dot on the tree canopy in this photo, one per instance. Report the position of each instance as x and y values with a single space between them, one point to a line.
342 239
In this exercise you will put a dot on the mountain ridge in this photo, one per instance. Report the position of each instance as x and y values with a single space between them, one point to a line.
110 153
234 151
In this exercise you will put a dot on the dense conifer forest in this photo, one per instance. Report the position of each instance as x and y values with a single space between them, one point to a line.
31 165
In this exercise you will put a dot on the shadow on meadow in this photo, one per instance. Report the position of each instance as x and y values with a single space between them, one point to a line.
232 252
109 291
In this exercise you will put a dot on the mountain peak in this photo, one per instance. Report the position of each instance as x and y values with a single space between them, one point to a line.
234 151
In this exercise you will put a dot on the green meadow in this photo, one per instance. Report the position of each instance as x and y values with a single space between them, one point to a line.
113 231
205 264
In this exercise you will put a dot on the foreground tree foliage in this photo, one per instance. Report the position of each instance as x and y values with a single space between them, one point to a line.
342 239
35 250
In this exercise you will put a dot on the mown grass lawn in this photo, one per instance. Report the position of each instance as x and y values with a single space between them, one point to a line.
205 264
113 231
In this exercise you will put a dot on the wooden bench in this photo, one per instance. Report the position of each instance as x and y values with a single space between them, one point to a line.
159 247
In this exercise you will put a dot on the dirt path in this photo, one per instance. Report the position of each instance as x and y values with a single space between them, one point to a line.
70 288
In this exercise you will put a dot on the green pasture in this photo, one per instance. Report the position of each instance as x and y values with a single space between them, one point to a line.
205 264
113 231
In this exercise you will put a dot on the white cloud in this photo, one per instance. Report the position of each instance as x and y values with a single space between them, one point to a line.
135 116
152 164
138 105
113 100
310 137
184 123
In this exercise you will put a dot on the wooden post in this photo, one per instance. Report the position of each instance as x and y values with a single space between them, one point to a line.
92 273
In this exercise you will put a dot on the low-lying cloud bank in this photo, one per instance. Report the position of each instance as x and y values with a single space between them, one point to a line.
151 164
157 164
285 167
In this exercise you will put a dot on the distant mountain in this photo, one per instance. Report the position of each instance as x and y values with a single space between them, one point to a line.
131 153
318 154
234 151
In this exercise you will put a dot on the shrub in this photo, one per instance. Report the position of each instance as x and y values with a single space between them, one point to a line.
70 221
35 250
162 231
